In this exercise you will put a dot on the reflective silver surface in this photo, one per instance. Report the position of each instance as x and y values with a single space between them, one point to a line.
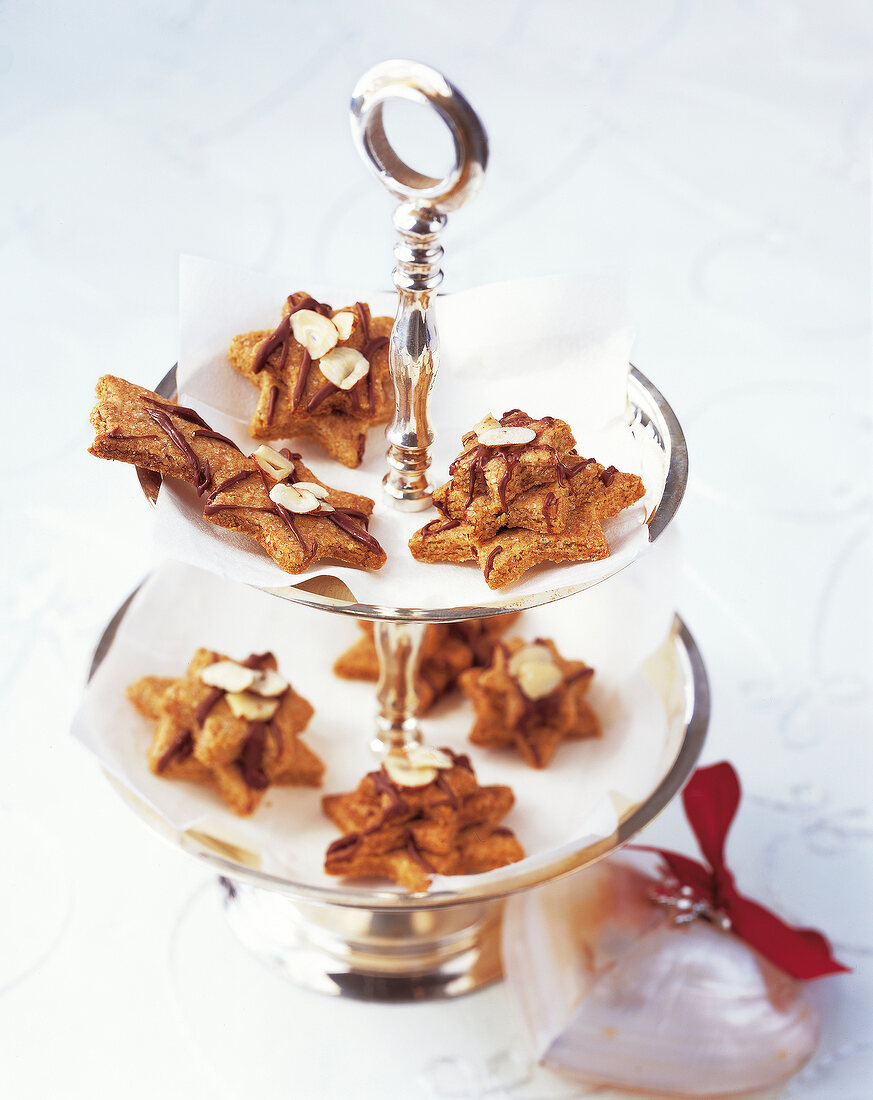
398 646
413 353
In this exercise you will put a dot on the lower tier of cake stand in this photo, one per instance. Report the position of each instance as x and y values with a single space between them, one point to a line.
369 954
426 947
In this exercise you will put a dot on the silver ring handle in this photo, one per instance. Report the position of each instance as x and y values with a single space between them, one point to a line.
413 353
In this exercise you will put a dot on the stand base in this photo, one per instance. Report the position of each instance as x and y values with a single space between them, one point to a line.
368 954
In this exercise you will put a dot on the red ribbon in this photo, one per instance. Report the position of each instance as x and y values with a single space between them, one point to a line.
711 799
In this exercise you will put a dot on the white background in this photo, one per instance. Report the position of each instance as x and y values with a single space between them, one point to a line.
718 156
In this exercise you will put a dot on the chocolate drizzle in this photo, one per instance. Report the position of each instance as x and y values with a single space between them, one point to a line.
579 674
415 853
344 847
280 338
116 434
608 475
180 748
321 395
208 433
302 378
271 404
460 759
251 757
182 411
206 704
343 518
477 457
369 349
436 526
489 561
250 760
347 845
550 509
199 467
571 471
445 787
235 479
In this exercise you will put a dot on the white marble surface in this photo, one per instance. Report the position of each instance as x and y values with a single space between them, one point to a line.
718 155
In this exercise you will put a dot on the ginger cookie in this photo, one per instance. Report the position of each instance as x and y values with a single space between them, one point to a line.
531 699
322 374
233 726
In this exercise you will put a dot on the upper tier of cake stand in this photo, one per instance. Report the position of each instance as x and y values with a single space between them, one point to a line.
649 414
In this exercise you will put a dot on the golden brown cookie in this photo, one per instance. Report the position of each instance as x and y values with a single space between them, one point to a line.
135 425
520 495
303 392
237 739
530 698
422 813
446 651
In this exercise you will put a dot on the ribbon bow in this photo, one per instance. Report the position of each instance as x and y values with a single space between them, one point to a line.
711 799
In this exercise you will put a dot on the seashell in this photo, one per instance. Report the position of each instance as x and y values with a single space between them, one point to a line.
615 993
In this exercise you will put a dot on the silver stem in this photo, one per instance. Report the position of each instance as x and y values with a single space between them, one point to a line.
398 646
413 354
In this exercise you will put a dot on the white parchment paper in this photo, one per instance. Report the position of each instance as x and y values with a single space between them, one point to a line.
549 346
614 627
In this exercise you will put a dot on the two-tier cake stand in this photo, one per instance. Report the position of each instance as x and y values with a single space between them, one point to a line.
372 942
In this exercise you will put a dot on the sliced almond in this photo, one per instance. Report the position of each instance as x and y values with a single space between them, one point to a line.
401 772
538 680
316 333
277 466
530 654
345 367
325 507
290 497
253 708
486 424
423 756
312 487
345 323
227 675
505 437
268 683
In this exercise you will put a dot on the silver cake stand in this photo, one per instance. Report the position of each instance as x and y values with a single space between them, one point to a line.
369 942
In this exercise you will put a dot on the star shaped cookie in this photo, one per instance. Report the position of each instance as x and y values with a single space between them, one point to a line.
446 651
322 374
530 698
255 494
519 495
239 738
421 813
